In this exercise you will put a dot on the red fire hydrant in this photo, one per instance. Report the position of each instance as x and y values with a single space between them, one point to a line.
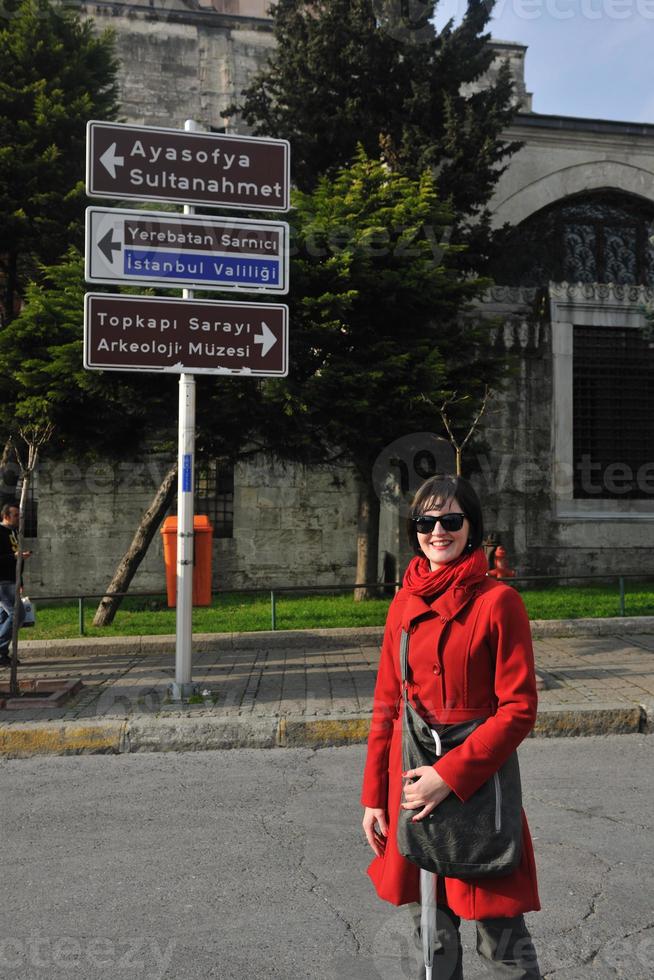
502 569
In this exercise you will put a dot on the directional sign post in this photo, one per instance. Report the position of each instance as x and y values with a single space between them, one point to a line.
152 164
186 337
183 684
184 250
174 336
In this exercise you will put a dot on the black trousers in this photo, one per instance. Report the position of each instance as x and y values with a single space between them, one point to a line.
504 944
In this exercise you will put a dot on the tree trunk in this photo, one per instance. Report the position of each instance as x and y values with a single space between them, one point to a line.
6 453
27 475
134 555
8 474
367 541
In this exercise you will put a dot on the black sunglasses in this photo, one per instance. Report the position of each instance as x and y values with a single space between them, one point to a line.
425 523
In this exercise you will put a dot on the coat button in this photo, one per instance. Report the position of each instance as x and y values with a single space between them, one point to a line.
437 668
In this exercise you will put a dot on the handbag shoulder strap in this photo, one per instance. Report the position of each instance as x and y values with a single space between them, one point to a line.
404 662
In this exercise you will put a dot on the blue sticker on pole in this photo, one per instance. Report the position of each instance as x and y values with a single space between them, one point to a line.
187 473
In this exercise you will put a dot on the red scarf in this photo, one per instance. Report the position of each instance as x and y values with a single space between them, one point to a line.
465 571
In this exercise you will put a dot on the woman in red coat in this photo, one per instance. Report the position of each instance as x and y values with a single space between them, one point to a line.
470 657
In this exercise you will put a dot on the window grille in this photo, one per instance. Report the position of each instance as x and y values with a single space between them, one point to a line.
214 495
598 237
613 413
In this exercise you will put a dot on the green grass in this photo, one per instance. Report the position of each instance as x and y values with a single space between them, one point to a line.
242 613
588 601
233 612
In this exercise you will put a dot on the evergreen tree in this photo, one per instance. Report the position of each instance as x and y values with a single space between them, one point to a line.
95 414
354 71
43 380
54 76
377 338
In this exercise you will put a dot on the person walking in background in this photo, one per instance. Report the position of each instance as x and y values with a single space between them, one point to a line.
470 657
9 516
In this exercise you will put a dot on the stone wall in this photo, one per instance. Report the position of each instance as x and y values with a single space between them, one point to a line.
515 54
87 515
182 60
524 486
512 456
563 156
292 526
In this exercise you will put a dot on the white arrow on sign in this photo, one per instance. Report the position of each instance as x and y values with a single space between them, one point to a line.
110 161
266 338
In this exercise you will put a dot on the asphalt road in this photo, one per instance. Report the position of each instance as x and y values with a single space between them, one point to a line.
251 864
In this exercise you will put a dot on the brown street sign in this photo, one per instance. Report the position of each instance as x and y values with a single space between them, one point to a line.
215 169
154 333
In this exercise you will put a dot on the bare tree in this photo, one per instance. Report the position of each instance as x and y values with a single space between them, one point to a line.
447 422
32 437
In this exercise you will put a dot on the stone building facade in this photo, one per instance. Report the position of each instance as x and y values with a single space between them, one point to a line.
576 436
183 59
564 461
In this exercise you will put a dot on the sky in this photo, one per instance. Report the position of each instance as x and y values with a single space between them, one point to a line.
591 58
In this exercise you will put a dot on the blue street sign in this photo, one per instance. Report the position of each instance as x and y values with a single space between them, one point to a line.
187 473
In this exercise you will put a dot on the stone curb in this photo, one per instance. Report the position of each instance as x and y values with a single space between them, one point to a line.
21 740
598 719
292 639
608 626
203 642
182 733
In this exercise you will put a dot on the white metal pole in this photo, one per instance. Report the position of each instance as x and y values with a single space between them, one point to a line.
185 485
183 685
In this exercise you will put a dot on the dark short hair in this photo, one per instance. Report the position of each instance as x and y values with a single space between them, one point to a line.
6 508
435 492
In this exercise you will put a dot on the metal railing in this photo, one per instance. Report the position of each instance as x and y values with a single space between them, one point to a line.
84 597
620 579
382 587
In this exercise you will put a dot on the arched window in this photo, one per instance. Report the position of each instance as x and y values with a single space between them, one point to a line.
602 237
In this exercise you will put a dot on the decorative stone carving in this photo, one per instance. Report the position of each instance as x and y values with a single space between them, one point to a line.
600 293
513 295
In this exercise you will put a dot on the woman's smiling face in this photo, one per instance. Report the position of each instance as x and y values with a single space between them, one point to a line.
440 547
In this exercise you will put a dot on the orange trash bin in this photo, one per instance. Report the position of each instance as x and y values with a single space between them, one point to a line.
202 559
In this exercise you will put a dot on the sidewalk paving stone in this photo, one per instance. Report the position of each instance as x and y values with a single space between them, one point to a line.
302 688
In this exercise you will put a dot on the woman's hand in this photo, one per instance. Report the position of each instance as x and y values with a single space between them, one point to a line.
375 826
427 791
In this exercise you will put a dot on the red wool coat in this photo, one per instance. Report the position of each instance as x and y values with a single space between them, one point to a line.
470 656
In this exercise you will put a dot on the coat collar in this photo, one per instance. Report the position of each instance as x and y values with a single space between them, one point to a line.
447 606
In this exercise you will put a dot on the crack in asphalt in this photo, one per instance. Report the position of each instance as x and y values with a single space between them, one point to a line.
592 907
594 899
589 958
312 880
622 971
588 813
